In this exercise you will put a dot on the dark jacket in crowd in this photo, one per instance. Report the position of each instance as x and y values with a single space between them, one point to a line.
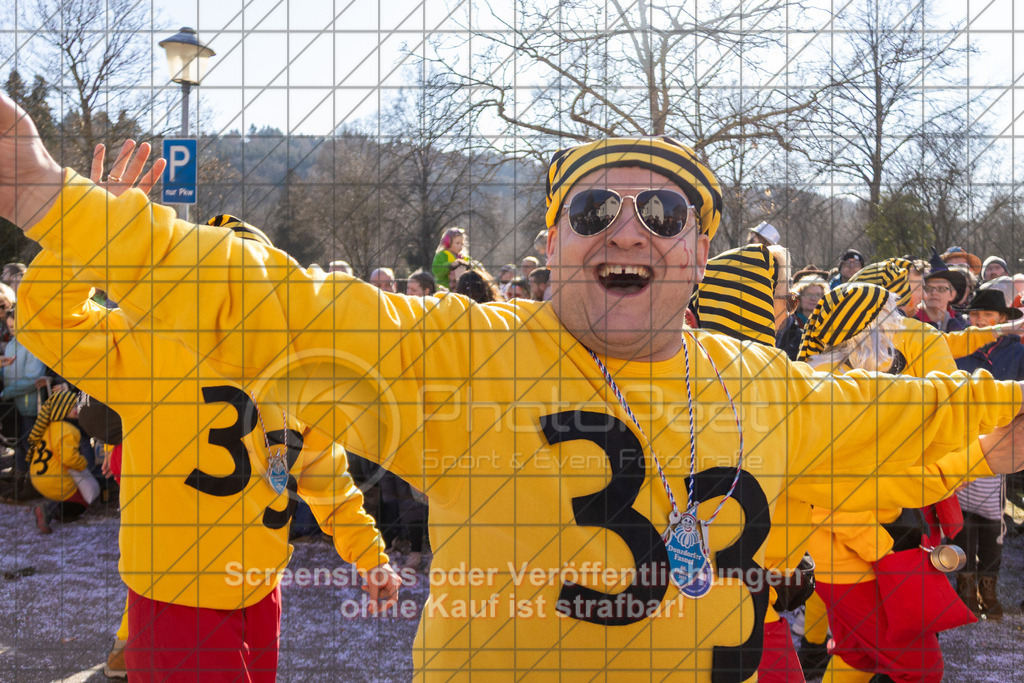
1004 358
791 332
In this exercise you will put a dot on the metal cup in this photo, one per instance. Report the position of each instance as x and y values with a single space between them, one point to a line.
948 558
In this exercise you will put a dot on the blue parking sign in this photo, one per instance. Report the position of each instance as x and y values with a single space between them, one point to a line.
180 175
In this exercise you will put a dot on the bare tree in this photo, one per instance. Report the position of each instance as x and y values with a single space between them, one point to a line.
892 75
940 174
439 170
92 52
577 70
1002 227
349 207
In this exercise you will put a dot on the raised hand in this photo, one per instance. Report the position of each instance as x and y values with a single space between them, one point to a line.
30 179
126 169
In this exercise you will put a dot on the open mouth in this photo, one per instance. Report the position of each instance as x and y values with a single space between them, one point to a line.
623 279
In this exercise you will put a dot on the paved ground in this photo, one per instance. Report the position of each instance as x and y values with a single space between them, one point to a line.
60 602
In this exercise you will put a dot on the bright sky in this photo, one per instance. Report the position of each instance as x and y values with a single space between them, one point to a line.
304 66
307 66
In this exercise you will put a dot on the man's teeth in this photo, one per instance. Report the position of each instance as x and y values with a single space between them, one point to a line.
607 269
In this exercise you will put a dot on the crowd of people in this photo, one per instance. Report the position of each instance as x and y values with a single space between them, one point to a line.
971 302
670 446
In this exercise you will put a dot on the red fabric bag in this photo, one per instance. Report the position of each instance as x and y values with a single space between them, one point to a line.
917 597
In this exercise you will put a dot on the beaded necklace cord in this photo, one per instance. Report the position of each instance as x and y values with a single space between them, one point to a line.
676 515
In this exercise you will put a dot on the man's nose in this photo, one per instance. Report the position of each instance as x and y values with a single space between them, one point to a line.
627 232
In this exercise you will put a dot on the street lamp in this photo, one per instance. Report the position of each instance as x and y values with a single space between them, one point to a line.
186 60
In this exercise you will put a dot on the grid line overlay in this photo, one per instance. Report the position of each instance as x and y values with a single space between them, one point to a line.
320 158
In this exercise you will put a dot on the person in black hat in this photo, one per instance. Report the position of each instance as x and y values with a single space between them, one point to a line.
942 287
982 500
849 264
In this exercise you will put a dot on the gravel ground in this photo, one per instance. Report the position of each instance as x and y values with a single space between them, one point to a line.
61 600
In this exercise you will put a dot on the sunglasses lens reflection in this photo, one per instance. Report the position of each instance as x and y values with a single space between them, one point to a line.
664 212
592 211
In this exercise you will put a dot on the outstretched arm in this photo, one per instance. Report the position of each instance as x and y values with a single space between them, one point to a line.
324 483
30 179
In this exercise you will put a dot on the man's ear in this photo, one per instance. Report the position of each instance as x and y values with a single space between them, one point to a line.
552 238
703 249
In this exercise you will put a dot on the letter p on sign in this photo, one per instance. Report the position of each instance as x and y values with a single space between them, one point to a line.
180 156
179 179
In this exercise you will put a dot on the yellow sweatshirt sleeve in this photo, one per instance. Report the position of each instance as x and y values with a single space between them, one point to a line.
914 488
360 356
845 545
966 342
336 502
845 419
356 356
925 349
87 344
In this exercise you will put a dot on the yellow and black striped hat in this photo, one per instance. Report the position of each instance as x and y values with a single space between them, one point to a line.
735 297
663 155
240 228
893 274
845 311
54 409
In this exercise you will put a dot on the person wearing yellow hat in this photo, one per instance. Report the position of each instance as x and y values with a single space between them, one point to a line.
917 340
854 327
734 298
58 470
571 461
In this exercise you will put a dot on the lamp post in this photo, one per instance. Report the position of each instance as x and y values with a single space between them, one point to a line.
187 59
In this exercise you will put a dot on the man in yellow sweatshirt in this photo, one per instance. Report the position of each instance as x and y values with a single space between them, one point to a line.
209 483
208 488
552 480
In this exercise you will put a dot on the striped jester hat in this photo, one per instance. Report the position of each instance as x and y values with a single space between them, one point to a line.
54 409
735 297
840 315
662 155
893 274
240 228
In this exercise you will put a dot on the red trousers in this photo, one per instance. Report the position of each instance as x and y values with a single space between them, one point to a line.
859 622
779 661
173 642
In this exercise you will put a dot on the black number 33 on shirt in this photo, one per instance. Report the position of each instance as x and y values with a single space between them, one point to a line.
231 439
611 508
